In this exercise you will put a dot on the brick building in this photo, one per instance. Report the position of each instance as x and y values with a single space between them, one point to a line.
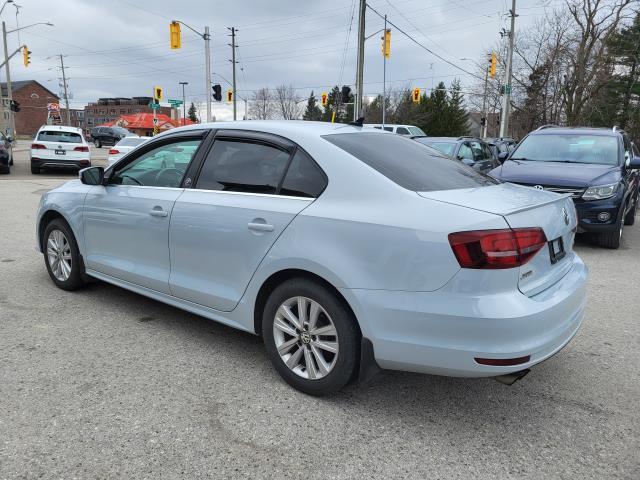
33 99
107 110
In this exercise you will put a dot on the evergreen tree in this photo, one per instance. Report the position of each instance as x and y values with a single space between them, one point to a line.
313 111
436 123
457 118
192 113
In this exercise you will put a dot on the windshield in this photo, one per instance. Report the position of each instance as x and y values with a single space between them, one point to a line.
60 137
131 141
408 163
445 147
416 131
569 148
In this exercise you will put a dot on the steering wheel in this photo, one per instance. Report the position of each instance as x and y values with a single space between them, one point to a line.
169 177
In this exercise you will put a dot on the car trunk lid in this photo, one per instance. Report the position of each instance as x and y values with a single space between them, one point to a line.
524 207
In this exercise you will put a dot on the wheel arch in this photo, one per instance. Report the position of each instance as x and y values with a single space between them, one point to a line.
282 276
46 218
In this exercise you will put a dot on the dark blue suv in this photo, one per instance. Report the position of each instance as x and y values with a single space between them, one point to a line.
596 166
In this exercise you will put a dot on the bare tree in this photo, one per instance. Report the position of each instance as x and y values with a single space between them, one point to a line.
262 106
288 102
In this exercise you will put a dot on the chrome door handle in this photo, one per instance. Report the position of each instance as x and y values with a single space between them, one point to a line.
158 212
260 227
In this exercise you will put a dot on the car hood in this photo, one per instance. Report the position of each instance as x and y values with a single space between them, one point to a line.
556 174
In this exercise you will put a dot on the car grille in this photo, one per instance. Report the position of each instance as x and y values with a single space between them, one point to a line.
575 192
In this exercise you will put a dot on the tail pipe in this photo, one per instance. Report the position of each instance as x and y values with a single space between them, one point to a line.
511 378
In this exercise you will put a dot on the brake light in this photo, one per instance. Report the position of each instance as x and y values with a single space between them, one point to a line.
81 149
496 249
37 146
113 151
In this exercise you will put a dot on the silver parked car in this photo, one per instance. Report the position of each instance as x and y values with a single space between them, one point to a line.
347 249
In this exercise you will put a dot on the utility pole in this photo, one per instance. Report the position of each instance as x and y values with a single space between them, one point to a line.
506 97
184 103
357 110
384 72
66 94
207 83
484 103
233 62
9 89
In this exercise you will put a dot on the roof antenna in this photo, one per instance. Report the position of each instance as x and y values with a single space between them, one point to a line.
358 123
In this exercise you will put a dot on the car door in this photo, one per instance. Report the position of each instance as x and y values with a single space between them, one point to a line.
222 229
126 221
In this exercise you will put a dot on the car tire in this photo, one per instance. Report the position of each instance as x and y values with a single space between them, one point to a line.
5 170
332 371
97 143
630 218
11 161
59 243
35 170
612 238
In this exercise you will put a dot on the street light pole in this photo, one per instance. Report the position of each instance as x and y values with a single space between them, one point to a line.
384 72
66 94
360 67
207 53
506 97
184 103
8 71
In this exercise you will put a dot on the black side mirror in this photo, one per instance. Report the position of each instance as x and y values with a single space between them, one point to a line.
502 156
92 175
634 162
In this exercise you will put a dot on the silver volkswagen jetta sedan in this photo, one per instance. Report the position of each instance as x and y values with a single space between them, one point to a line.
346 249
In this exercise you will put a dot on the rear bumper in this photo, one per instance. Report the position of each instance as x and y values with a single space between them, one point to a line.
60 162
443 332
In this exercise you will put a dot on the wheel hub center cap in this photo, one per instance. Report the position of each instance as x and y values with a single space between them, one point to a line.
305 337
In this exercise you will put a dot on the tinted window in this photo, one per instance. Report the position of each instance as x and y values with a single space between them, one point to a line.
389 129
571 148
131 141
304 178
402 131
60 137
445 147
163 166
465 152
407 162
243 167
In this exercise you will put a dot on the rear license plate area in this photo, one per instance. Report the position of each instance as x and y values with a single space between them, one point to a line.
556 250
60 152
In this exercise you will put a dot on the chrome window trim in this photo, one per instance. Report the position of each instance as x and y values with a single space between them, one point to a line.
310 199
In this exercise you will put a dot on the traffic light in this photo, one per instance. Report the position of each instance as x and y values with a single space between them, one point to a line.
26 54
324 97
386 44
14 106
492 65
174 35
157 93
217 92
229 96
345 93
483 121
415 95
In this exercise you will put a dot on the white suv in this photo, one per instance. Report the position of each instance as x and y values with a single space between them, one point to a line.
406 130
59 146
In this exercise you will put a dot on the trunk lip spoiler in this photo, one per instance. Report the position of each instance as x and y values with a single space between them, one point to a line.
501 213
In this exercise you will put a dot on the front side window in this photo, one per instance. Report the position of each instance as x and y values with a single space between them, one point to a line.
241 166
466 152
408 163
569 148
163 166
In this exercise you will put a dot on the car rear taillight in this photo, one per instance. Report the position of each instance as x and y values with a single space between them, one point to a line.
113 151
81 149
37 146
495 249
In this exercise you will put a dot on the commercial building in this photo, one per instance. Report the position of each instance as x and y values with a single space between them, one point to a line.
33 99
107 110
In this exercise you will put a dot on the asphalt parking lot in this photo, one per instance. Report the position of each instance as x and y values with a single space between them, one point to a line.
102 383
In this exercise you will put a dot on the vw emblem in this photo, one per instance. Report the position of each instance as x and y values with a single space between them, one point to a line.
565 214
305 337
539 187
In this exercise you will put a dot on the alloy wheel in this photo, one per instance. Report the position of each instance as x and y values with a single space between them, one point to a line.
305 337
59 255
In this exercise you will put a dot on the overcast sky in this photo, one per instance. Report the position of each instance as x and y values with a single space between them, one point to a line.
121 47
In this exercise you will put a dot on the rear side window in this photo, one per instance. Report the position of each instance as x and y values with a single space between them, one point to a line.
408 163
402 131
240 166
60 137
304 178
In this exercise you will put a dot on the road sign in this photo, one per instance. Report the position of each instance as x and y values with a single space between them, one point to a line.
174 102
154 105
506 90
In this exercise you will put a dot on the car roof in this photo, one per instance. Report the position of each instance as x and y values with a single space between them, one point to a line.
295 130
551 130
59 128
